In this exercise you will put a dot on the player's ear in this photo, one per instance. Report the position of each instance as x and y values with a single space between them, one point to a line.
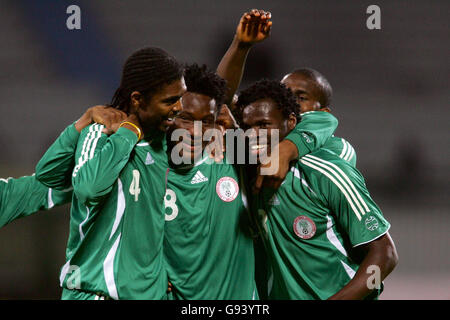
317 106
292 121
135 101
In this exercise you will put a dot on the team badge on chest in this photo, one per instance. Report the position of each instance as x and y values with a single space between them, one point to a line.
304 227
227 189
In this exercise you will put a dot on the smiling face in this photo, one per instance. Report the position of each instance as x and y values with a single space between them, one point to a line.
305 90
265 114
159 111
196 107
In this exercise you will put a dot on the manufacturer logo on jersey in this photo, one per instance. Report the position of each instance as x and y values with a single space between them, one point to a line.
274 201
149 159
304 227
371 223
198 177
307 138
227 189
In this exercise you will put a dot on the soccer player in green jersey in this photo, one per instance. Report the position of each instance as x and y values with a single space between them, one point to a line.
325 236
207 243
117 219
52 174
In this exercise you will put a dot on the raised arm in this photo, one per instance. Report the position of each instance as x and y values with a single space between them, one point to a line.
254 26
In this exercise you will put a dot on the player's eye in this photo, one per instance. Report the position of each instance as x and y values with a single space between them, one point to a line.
171 101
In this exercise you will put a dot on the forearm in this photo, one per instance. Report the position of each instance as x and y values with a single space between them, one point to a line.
231 67
20 198
311 133
376 266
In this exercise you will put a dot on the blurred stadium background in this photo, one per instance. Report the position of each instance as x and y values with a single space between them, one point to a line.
390 95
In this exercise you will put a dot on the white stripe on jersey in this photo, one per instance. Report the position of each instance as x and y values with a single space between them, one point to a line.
345 177
94 143
344 149
50 203
297 175
338 184
333 238
351 273
80 227
108 270
350 152
120 207
89 145
64 271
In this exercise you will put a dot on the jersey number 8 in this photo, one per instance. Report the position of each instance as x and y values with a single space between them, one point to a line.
170 202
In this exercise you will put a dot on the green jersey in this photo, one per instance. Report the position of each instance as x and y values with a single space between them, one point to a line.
24 196
207 245
314 126
54 170
342 148
117 217
313 223
313 131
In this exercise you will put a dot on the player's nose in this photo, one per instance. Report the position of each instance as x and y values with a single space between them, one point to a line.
177 107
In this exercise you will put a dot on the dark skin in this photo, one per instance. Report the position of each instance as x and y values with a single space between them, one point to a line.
306 91
157 112
253 27
109 117
380 252
196 107
264 114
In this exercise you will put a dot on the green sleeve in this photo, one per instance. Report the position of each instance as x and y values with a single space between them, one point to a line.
341 148
99 161
24 196
59 197
348 198
55 168
311 133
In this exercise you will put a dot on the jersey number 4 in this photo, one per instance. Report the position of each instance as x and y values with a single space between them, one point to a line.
134 186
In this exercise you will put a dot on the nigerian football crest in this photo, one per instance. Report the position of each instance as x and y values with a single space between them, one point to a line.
304 227
227 189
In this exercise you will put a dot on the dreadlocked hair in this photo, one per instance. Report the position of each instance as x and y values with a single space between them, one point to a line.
199 79
146 71
265 88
